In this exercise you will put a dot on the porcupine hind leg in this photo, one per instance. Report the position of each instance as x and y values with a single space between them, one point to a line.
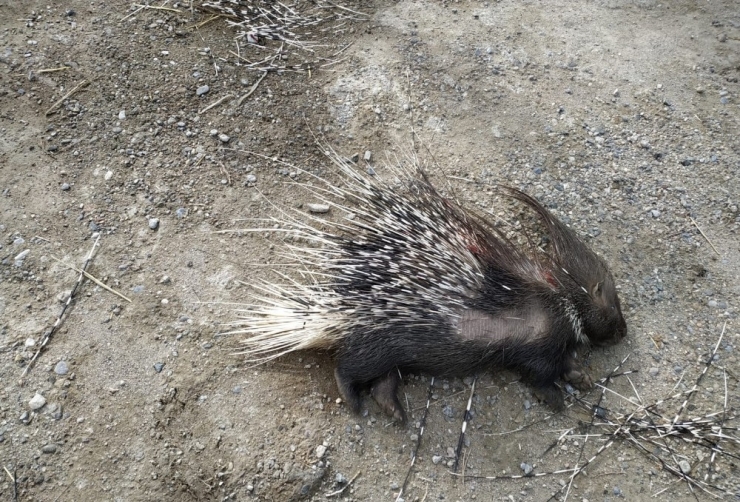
348 388
385 393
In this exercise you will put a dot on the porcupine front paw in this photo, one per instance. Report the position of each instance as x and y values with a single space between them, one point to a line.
552 395
385 393
578 377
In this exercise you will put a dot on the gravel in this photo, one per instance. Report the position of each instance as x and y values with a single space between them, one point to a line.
37 402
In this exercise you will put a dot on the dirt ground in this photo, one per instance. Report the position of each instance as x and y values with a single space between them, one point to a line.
623 116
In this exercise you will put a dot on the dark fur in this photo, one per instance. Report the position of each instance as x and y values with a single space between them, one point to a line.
524 317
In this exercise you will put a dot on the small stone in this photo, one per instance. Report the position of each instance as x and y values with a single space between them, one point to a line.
122 115
117 130
655 213
414 437
320 451
61 368
22 255
154 223
181 212
37 402
65 187
49 448
158 367
318 208
368 155
340 479
436 459
224 138
654 371
722 37
251 178
526 468
202 90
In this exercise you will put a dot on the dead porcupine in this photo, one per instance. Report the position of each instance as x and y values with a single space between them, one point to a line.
413 282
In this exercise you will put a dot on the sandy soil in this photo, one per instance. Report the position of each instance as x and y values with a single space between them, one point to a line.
623 116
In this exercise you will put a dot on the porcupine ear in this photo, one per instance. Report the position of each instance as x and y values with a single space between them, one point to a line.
569 252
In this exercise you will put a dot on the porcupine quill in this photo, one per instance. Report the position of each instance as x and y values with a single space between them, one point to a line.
416 283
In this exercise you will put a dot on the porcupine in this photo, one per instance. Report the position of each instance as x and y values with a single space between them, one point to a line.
414 282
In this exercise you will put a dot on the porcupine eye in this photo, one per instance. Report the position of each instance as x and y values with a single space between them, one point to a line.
604 323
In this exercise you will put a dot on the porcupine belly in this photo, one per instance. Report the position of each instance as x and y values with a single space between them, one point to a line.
511 329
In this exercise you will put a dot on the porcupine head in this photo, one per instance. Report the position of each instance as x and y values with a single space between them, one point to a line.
587 279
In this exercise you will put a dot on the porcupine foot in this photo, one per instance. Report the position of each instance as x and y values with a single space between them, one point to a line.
385 393
552 395
575 375
348 389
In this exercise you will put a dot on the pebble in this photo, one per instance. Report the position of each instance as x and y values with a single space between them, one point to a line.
117 130
202 90
368 155
318 208
37 402
61 368
526 468
154 223
181 212
654 371
22 255
158 367
224 138
49 448
320 451
65 187
436 459
340 479
122 115
251 178
655 213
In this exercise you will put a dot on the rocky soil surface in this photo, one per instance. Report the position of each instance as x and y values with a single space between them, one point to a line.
157 135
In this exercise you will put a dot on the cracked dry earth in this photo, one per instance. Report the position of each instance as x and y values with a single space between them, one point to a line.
622 116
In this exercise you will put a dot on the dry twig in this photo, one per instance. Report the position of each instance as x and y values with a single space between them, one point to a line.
61 100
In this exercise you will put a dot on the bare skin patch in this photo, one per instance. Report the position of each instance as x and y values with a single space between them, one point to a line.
523 324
